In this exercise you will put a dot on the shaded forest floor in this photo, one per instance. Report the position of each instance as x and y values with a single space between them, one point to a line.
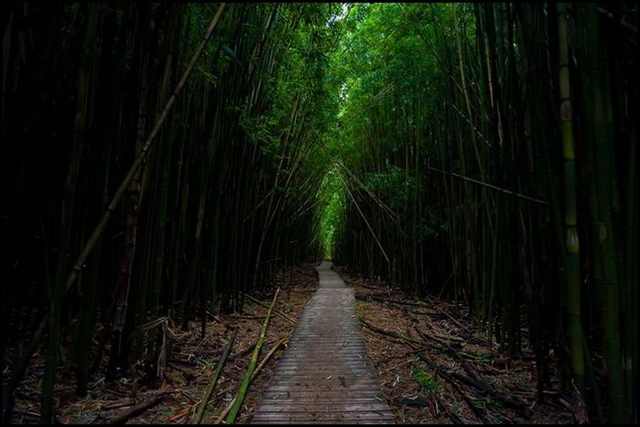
435 365
190 365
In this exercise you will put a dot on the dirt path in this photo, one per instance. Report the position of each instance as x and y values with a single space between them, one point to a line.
325 376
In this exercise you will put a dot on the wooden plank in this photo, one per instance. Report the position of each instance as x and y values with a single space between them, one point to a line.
313 406
314 394
325 374
323 387
324 417
339 399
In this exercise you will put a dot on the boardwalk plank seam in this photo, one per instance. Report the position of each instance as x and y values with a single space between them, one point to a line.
325 375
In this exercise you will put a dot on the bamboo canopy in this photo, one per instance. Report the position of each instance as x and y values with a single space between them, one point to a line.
164 162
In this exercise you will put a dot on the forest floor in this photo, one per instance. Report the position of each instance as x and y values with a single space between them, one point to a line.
190 365
436 366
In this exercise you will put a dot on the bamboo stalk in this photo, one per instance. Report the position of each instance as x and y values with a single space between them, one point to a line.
248 376
600 141
276 311
99 229
491 186
93 239
197 419
264 361
571 227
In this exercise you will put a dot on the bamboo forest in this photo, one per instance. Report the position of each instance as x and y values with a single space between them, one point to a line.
396 213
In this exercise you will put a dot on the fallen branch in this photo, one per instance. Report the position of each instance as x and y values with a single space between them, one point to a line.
475 380
451 349
247 317
244 385
431 313
390 333
278 312
453 320
243 352
197 419
188 396
279 344
399 365
429 309
136 410
449 339
379 298
444 374
255 374
455 418
179 415
402 355
116 406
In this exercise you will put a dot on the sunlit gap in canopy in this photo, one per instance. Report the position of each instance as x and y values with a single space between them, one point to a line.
331 208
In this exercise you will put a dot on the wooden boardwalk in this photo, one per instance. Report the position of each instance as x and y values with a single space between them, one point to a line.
325 376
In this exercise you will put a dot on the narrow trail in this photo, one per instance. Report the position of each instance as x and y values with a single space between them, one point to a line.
325 375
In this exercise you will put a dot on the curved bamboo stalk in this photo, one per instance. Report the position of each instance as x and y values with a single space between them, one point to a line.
248 376
264 361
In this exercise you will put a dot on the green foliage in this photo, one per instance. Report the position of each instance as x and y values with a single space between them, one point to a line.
319 128
381 71
394 184
427 382
332 208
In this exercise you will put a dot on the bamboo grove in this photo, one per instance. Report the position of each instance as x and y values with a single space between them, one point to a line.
210 214
162 159
489 153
